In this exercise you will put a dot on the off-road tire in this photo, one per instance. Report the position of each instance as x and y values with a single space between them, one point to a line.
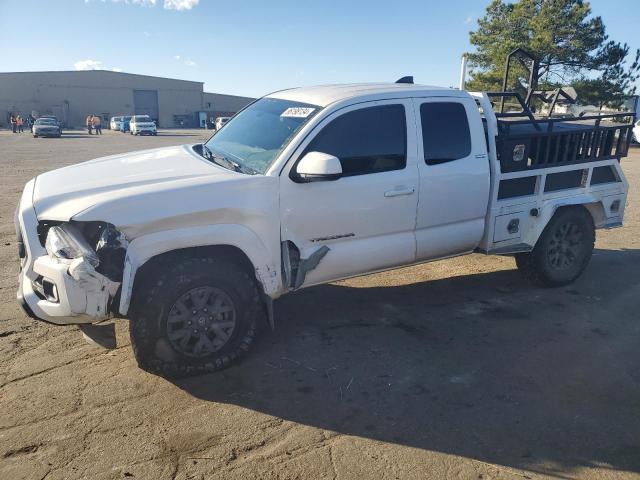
538 265
155 296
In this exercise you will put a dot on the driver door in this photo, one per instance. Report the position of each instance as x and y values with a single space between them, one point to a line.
366 217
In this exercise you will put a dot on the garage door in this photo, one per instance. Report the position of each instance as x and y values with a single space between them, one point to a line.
146 103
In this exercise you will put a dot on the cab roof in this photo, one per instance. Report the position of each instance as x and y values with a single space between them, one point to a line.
324 95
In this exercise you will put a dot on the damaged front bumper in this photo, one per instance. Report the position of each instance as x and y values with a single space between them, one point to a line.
73 292
56 290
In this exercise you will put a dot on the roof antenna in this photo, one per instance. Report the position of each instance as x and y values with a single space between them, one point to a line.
407 79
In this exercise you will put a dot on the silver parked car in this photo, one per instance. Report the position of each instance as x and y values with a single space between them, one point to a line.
46 127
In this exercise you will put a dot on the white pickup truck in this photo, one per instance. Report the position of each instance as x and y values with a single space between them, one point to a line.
306 186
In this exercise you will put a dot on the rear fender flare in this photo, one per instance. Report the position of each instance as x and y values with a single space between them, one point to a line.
591 202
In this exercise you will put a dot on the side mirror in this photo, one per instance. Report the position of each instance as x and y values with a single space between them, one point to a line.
317 167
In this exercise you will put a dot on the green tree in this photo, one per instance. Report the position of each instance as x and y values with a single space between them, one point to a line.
570 43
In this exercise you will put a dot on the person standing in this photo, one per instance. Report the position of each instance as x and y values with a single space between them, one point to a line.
13 123
20 124
97 124
89 124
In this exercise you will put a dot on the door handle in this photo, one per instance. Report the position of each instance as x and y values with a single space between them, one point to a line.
398 192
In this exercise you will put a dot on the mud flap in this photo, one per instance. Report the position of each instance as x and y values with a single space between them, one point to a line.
100 335
268 302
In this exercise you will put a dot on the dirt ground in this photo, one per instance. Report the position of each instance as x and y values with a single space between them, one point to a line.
455 369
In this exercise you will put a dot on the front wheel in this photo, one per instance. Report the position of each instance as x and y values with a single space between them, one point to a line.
563 250
197 316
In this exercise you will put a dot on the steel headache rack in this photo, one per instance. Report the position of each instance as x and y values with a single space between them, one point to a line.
541 154
525 142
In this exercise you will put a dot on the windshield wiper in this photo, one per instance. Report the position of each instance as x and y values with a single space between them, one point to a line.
218 159
226 162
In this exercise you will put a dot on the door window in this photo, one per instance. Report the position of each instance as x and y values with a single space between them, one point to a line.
445 132
368 140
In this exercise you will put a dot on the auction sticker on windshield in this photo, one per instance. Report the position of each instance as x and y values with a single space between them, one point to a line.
297 112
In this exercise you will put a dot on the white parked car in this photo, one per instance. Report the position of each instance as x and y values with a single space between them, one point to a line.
636 132
142 125
307 186
220 122
115 123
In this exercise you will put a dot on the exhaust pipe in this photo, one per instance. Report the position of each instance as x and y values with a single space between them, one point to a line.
463 72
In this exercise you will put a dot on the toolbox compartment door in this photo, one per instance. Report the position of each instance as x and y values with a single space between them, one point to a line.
508 227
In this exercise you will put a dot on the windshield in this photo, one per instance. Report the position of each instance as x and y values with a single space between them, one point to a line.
141 118
46 121
256 135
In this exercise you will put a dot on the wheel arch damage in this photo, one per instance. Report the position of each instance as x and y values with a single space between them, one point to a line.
235 242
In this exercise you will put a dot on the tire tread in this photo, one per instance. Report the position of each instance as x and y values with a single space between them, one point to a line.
150 288
530 264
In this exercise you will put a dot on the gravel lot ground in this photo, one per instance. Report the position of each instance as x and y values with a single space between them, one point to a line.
455 369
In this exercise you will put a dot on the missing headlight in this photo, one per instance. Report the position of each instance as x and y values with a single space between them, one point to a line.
111 249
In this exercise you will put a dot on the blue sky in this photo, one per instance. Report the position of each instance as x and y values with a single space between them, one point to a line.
253 47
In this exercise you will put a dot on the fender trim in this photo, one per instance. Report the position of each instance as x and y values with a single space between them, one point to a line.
142 249
550 206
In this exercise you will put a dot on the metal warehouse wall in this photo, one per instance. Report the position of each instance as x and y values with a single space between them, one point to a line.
73 95
217 102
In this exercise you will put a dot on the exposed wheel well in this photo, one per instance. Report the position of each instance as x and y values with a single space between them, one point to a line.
227 252
595 210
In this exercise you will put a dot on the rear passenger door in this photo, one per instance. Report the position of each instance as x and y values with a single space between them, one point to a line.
454 177
366 217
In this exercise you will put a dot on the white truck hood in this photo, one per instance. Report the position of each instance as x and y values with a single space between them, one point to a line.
68 192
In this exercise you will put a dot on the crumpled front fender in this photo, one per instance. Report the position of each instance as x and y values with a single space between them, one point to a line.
142 249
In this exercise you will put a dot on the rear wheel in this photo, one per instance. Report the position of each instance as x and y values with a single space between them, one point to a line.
563 250
197 316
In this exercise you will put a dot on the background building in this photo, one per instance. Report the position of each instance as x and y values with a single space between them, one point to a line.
72 95
219 105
